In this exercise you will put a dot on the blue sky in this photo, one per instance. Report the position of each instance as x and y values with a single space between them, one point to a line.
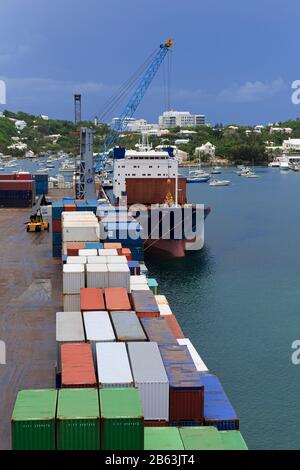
233 60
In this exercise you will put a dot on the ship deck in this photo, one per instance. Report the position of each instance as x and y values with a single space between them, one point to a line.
30 294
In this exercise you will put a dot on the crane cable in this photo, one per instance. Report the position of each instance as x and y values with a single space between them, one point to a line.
125 88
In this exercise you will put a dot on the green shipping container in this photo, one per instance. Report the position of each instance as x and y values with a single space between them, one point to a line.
78 419
233 440
122 421
163 439
153 285
201 438
33 420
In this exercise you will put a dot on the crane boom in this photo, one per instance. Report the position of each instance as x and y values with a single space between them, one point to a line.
132 105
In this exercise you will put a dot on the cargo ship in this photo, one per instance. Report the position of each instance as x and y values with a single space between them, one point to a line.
148 182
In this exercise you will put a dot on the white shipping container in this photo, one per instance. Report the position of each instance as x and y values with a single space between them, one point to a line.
73 278
161 300
119 276
78 215
87 252
138 279
117 260
96 259
150 378
98 328
199 363
69 327
139 287
107 252
113 365
71 302
80 231
97 275
164 310
76 259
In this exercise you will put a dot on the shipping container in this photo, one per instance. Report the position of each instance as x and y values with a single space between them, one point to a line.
33 420
119 276
201 438
107 252
86 252
69 327
199 363
164 310
80 231
174 326
76 259
127 326
134 268
127 252
158 331
186 386
78 419
233 440
117 260
94 246
122 426
143 287
113 246
98 327
73 248
96 259
91 299
77 366
144 304
71 302
116 298
218 410
151 379
113 365
162 438
139 279
73 278
97 275
152 283
161 300
69 207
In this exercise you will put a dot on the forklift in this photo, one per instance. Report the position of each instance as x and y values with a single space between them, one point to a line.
37 224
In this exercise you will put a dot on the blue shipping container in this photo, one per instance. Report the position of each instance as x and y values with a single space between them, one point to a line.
218 410
57 210
57 238
134 267
93 246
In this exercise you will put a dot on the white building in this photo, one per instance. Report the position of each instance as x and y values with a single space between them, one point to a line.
181 141
20 125
136 125
142 164
45 118
281 130
206 149
291 146
18 146
181 119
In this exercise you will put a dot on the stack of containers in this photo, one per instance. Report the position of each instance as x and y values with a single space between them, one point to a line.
218 410
151 379
73 281
186 386
138 282
17 190
57 210
69 329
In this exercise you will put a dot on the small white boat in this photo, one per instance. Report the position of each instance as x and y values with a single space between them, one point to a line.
216 170
251 174
284 165
274 164
219 183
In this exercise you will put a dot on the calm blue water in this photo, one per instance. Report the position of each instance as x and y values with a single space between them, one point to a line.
33 166
238 299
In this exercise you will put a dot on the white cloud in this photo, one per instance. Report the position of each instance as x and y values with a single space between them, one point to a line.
251 91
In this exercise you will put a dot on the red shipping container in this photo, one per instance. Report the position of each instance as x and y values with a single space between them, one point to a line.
70 208
77 366
23 176
127 252
56 226
74 247
116 298
155 424
19 185
186 405
8 177
91 299
79 200
113 246
174 326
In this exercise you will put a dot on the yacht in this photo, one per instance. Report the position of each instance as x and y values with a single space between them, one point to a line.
274 164
216 183
216 170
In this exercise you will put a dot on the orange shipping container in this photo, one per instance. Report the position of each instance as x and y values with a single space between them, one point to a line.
127 252
113 246
91 299
174 326
70 207
77 366
116 298
74 247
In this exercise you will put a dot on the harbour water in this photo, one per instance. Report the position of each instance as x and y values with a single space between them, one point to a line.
238 299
